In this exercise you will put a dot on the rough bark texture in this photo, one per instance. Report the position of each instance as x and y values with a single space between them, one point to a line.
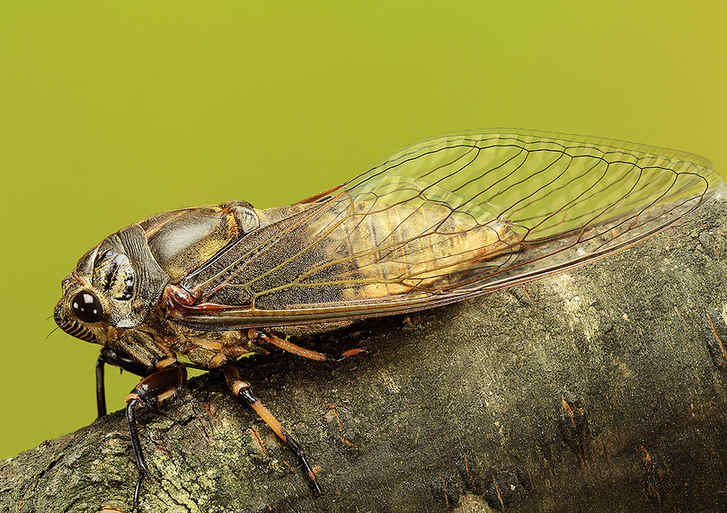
603 389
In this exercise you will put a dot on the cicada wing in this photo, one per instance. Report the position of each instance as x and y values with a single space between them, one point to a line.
446 220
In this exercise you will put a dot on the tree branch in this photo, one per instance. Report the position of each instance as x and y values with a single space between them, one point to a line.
603 389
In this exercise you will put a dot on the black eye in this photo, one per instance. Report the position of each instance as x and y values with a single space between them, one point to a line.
87 307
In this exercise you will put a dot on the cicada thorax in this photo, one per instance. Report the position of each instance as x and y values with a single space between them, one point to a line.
183 240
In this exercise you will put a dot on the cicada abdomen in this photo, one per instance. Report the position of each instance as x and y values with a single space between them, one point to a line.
403 241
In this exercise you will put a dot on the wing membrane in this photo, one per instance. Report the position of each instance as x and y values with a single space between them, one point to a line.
446 220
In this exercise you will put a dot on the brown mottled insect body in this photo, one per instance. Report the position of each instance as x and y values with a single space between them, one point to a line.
439 222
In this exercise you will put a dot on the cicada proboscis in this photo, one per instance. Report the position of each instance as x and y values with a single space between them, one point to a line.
439 222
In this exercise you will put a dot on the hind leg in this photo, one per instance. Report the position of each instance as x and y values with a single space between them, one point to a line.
297 350
241 389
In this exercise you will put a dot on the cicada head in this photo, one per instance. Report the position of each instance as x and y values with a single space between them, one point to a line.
114 285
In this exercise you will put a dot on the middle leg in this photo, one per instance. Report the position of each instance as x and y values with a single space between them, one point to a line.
120 358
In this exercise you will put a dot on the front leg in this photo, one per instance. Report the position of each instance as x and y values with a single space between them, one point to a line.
152 390
242 389
119 358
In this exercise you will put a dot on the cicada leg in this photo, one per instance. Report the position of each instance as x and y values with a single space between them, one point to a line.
121 359
302 351
241 389
153 389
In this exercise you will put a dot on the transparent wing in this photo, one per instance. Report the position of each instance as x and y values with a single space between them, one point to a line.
446 220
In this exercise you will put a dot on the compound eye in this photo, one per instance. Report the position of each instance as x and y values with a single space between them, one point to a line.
87 307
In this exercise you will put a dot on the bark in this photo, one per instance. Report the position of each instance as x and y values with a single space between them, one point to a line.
602 389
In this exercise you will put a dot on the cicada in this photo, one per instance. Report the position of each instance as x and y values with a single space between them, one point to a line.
442 221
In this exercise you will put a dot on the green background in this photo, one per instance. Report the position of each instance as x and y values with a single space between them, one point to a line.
113 111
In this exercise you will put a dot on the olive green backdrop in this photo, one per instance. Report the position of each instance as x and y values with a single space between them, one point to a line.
113 111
